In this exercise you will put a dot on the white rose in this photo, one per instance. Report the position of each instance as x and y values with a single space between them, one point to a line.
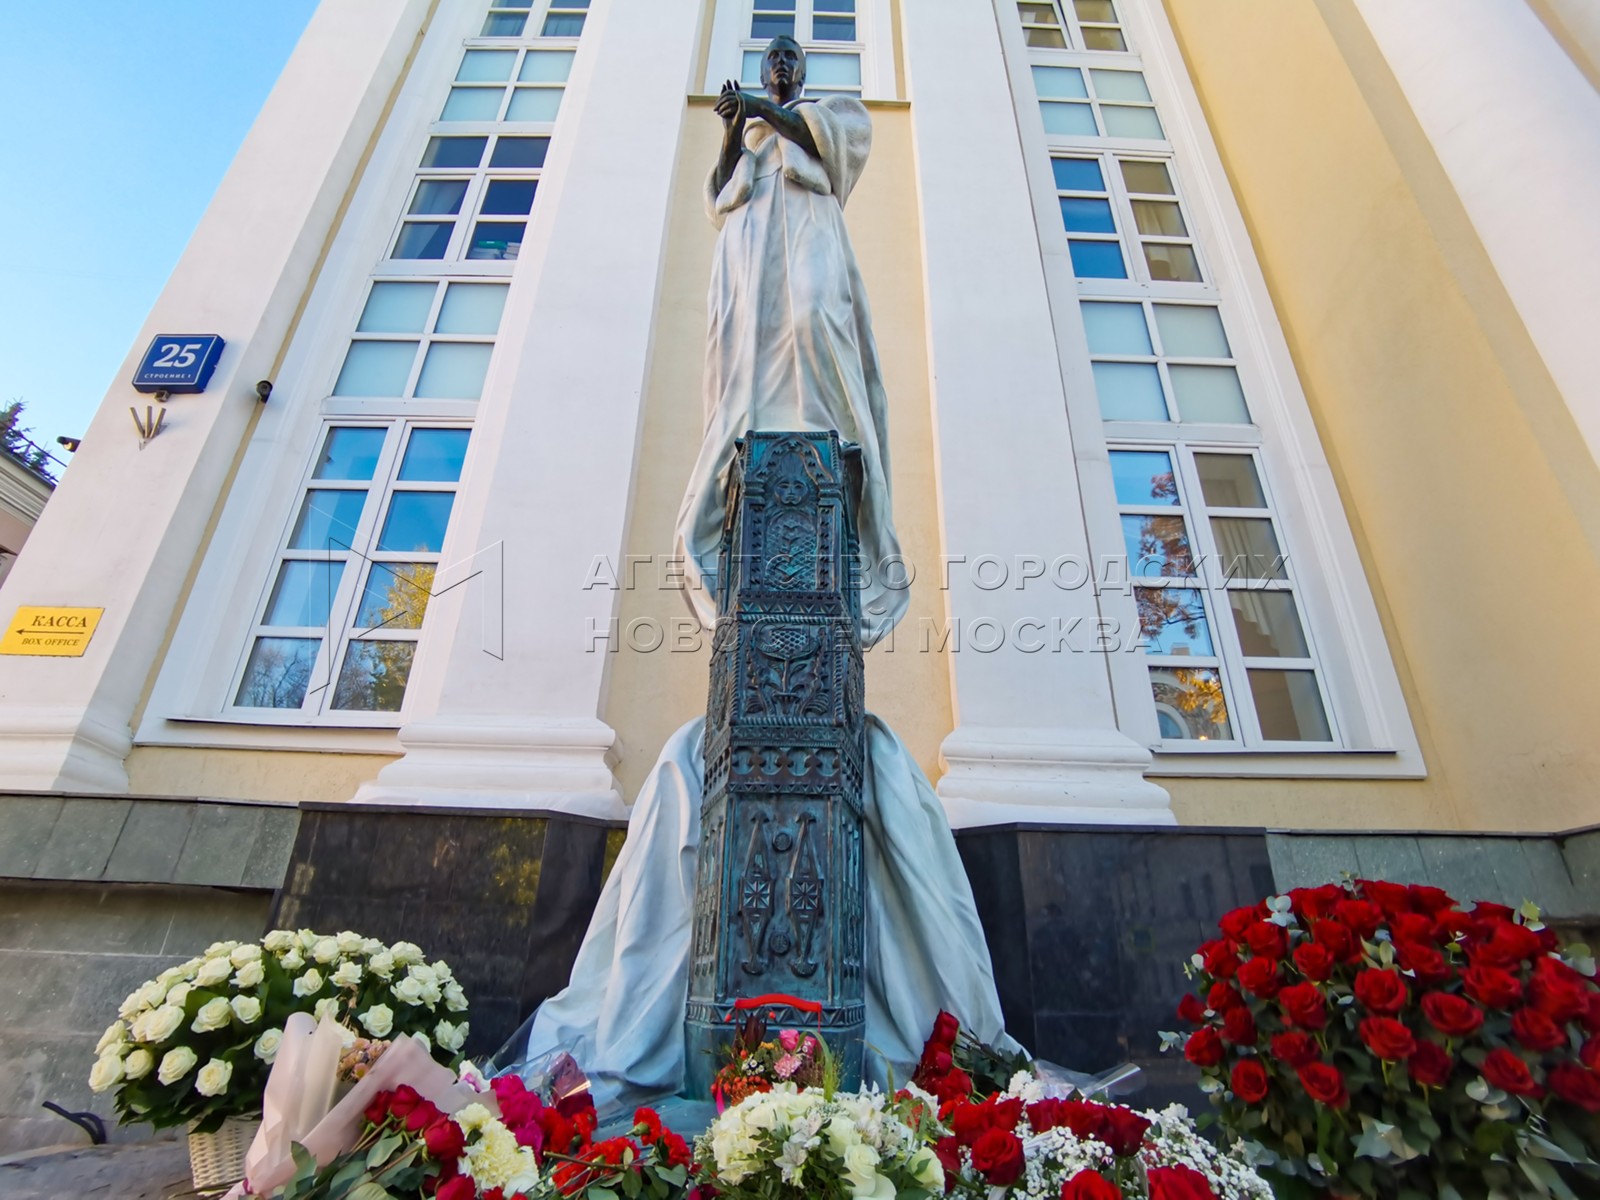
307 939
152 993
378 1020
176 1063
213 1014
450 1036
213 971
349 943
247 953
130 1007
454 998
116 1033
292 961
179 993
278 940
106 1073
221 948
137 1065
247 1009
382 965
325 951
371 946
348 975
408 991
326 1009
308 984
423 974
926 1169
423 1038
171 975
442 970
406 953
250 975
861 1168
267 1045
213 1077
158 1024
430 994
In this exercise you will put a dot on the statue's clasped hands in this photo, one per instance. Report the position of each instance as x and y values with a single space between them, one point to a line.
731 108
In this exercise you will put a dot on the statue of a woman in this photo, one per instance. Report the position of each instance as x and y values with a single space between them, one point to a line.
789 344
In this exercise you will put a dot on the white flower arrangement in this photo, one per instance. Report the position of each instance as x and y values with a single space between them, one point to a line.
226 1008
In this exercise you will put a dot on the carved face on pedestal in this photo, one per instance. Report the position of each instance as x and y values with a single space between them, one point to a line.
792 531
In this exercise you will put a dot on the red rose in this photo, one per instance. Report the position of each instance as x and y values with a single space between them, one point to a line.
1235 924
1324 1084
1361 916
1509 1073
1590 1016
1259 977
1084 1118
945 1028
1089 1184
444 1140
1313 904
1204 1047
403 1100
423 1115
1507 945
1294 1049
948 1151
1423 961
1179 1182
1589 1056
1381 991
1314 961
997 1156
1392 898
1388 1038
1429 899
1340 942
1124 1130
1266 938
969 1122
1239 1027
378 1111
1451 925
1492 987
1249 1081
1536 1031
1557 990
1218 959
1222 997
1576 1086
952 1085
1304 1006
1430 1065
1487 910
1191 1010
1450 1014
459 1188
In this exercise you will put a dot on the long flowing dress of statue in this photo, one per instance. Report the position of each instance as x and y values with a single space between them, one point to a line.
790 347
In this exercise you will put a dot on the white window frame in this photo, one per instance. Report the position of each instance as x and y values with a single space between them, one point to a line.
730 38
1073 26
532 30
1365 703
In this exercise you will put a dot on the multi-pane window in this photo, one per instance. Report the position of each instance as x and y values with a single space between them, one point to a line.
1097 23
520 18
1156 361
423 339
518 86
1105 196
471 198
338 627
1096 103
827 29
1229 656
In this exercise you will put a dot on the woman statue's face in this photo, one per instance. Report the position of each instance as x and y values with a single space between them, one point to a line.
783 69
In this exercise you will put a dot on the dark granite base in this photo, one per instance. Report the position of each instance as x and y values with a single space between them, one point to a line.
503 897
1089 929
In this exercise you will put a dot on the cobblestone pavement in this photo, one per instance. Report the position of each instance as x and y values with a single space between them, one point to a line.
132 1171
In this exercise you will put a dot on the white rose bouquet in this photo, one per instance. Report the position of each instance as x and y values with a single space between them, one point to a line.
196 1043
815 1142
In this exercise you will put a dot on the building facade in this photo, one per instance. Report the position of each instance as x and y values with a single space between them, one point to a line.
1240 417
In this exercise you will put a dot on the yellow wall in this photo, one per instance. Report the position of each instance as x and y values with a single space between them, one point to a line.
651 694
1473 503
280 775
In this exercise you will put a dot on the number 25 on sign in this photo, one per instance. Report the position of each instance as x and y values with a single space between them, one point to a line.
51 632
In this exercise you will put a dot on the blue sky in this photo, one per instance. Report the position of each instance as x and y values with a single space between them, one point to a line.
117 122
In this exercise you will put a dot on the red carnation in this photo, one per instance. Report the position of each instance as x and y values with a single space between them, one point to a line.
1430 899
1509 1073
1222 997
1179 1182
444 1140
1314 961
1124 1130
1089 1184
1430 1065
1259 977
1204 1047
1294 1049
1324 1084
1235 924
1315 903
1387 1038
1340 942
1536 1031
1191 1010
1361 916
1219 959
1423 961
460 1187
1492 987
647 1124
1381 991
673 1149
1576 1086
1239 1027
997 1156
1249 1081
1268 939
1450 1014
1304 1006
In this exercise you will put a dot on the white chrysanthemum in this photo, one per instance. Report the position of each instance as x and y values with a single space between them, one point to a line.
248 953
213 971
106 1073
214 1014
378 1020
266 1047
213 1078
473 1117
495 1158
250 975
308 984
138 1064
176 1063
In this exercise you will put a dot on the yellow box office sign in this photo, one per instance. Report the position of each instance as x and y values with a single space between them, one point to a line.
53 632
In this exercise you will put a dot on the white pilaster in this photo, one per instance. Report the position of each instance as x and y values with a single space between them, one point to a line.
1513 122
550 485
1036 737
122 530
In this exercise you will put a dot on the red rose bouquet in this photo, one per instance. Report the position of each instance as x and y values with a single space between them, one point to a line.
1374 1038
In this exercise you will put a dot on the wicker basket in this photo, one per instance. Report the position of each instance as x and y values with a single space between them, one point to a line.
217 1159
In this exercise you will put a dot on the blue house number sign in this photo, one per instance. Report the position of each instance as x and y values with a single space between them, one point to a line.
178 363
